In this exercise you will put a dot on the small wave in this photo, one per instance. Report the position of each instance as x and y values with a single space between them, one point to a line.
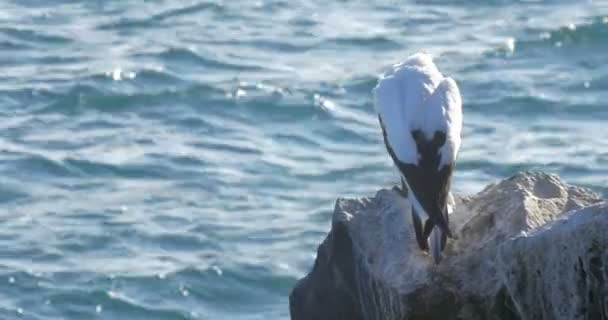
242 277
159 77
360 84
79 243
13 45
272 6
594 34
293 138
303 21
337 174
34 36
156 20
261 101
132 171
556 42
183 55
83 96
79 303
225 145
591 34
179 160
215 7
30 165
282 46
96 94
175 241
11 192
374 42
127 23
529 105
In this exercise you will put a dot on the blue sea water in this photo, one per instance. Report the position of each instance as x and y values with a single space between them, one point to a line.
180 159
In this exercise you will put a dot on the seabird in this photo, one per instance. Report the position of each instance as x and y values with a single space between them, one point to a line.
420 113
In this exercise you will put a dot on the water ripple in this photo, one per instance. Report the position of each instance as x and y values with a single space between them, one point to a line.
34 36
182 55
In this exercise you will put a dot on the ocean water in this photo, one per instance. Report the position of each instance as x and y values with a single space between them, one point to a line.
180 159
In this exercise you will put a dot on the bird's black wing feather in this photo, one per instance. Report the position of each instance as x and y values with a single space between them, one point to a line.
429 183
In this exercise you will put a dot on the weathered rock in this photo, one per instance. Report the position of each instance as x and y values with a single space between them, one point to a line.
524 249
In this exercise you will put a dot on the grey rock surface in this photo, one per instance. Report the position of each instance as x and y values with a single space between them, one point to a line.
528 247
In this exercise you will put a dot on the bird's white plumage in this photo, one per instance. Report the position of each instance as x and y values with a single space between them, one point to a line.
416 96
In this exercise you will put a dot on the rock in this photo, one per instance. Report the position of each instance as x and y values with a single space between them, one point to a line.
529 247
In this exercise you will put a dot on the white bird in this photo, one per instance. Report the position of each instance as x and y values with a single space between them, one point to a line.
420 113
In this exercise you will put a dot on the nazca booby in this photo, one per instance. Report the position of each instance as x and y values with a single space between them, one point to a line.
420 113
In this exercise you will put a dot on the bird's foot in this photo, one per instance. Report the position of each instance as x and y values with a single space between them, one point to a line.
400 191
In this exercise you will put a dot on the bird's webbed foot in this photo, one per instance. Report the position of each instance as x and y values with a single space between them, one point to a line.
400 191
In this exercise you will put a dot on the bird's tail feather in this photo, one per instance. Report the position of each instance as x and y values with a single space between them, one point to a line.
444 236
420 235
430 237
429 225
437 243
435 238
444 223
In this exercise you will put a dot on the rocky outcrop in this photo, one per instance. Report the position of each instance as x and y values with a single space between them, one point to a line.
529 247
